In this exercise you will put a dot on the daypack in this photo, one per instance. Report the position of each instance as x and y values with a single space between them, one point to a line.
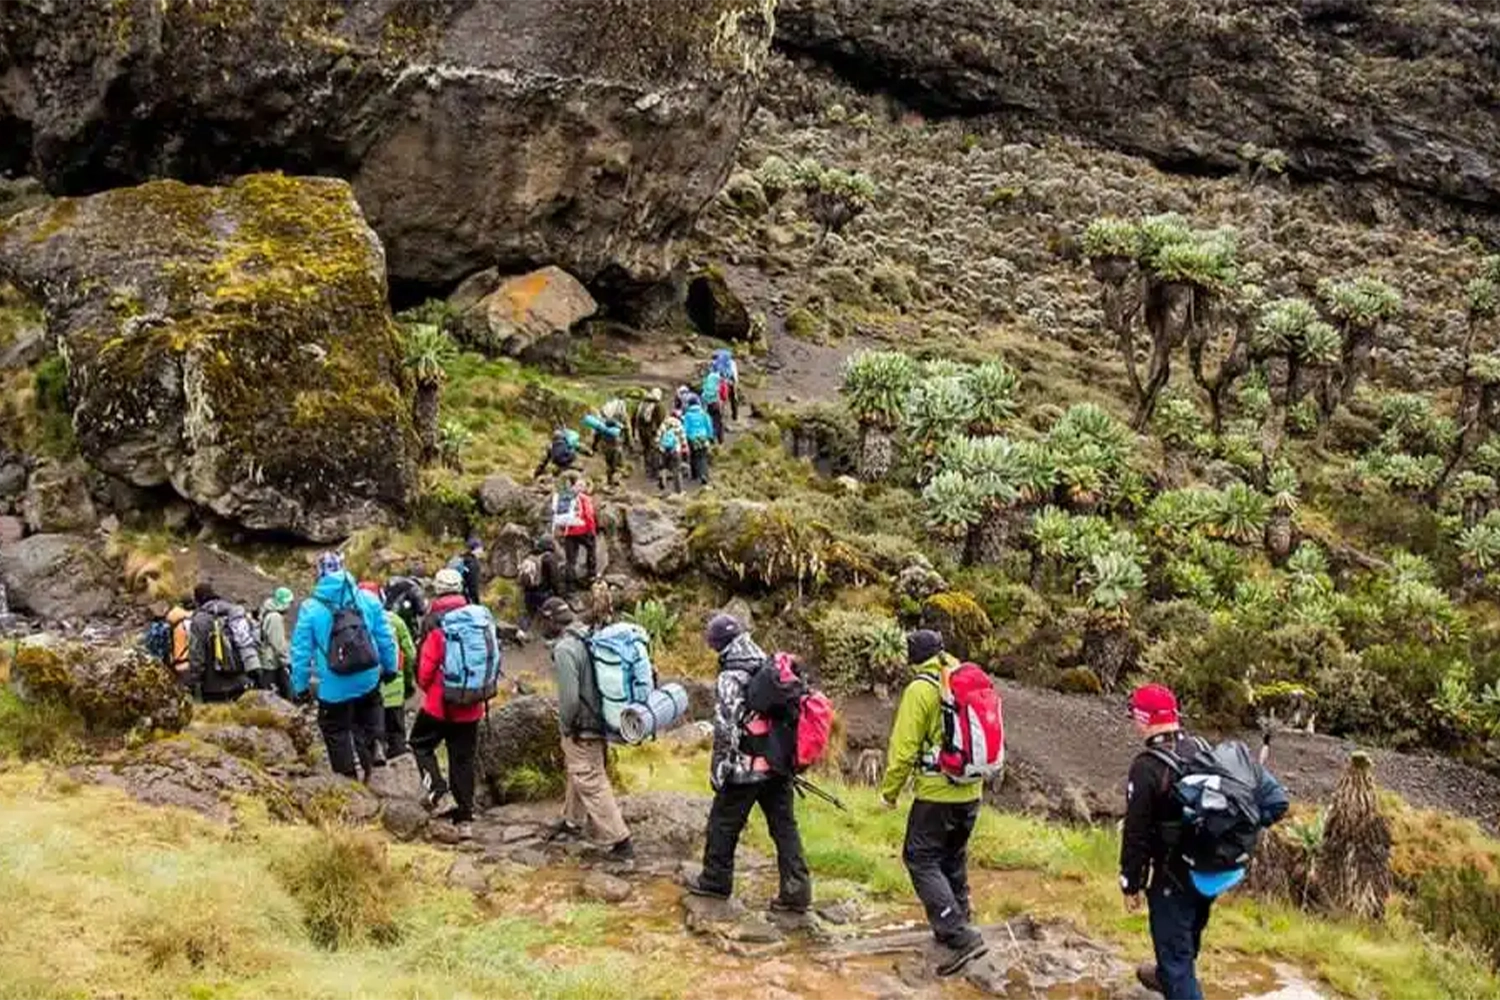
471 655
711 383
157 641
623 674
1218 788
615 411
351 649
229 636
529 573
724 365
778 697
973 746
567 510
668 440
403 595
563 451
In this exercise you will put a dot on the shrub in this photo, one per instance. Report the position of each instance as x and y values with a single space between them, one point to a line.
38 730
1462 904
859 650
1078 680
755 547
345 886
659 621
960 619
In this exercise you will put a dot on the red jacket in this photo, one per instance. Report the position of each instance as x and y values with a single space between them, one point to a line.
589 524
430 665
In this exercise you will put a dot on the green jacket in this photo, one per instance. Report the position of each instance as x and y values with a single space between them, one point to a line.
393 692
578 708
919 729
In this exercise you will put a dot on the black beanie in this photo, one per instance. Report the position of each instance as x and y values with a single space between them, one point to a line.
922 645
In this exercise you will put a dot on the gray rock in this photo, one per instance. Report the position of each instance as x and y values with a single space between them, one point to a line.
525 310
404 820
12 480
270 748
844 911
473 288
501 495
12 529
529 857
56 577
658 542
328 798
399 779
467 873
473 133
166 320
990 974
520 742
604 888
57 499
28 347
187 774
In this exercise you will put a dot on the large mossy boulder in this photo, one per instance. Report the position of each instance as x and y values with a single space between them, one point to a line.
233 342
114 691
520 752
587 133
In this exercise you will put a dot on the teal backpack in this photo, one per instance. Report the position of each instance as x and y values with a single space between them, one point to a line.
621 654
471 656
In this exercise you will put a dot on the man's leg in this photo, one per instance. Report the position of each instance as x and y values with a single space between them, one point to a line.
955 864
369 728
734 402
777 802
462 738
926 835
726 819
395 731
426 734
335 723
585 762
591 555
1173 917
570 562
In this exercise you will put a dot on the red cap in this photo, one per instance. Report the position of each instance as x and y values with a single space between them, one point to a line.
370 587
1154 705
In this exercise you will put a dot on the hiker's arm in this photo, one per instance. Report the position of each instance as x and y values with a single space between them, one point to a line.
385 641
302 651
907 733
430 664
276 637
1135 835
1271 798
403 643
729 715
566 667
542 467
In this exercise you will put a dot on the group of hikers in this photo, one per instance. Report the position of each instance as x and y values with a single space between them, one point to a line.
672 439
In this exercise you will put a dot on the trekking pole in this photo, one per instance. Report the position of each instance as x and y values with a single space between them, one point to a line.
804 786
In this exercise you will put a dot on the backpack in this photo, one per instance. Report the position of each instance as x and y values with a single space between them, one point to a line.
351 649
567 511
471 655
403 595
529 573
615 411
668 440
724 364
623 674
157 641
562 451
1218 789
973 744
779 699
711 383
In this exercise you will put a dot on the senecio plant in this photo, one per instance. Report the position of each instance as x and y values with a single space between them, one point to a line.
876 385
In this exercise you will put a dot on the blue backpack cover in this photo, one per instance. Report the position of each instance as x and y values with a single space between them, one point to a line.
668 440
623 674
471 655
724 364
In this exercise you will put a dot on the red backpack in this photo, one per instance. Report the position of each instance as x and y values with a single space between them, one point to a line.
779 684
973 726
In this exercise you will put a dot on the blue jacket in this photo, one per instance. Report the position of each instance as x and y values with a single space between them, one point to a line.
315 628
711 387
697 426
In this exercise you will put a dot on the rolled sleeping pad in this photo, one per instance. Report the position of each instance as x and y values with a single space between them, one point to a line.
662 709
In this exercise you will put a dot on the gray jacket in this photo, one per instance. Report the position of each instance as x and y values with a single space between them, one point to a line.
579 712
730 764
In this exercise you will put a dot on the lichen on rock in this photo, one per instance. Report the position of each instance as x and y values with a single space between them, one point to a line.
234 342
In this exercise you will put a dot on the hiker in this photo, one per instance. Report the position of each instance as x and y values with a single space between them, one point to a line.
471 568
166 637
589 805
645 427
394 692
729 372
343 643
616 411
561 452
574 520
943 812
680 400
404 595
1156 845
181 621
699 430
714 394
745 772
222 650
275 653
608 442
671 442
457 672
539 577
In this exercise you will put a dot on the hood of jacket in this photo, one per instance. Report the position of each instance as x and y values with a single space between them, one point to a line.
336 589
269 607
742 653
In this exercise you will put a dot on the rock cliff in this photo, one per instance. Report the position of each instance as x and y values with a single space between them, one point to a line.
585 133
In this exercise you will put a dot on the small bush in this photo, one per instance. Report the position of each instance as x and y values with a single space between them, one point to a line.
41 730
344 883
1078 680
659 621
860 650
1462 904
802 324
962 622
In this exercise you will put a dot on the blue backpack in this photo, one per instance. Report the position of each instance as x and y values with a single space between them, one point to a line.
724 364
711 387
623 674
157 640
668 440
471 656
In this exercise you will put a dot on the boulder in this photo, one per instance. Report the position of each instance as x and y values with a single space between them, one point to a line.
524 310
474 133
13 478
57 576
714 308
404 820
1341 88
658 543
272 749
500 495
114 691
602 887
511 545
330 798
190 774
398 779
12 530
57 499
232 342
268 710
473 288
520 752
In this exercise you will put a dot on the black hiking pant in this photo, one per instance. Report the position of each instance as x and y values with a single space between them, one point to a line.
350 729
572 544
669 466
716 414
698 456
461 739
395 731
726 820
1178 917
936 854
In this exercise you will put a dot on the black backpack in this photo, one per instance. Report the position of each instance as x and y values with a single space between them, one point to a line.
778 701
561 452
351 650
403 596
1218 788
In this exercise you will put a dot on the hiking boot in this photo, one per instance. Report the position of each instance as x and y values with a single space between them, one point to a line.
432 800
563 831
694 885
456 815
623 851
961 955
463 830
1145 974
779 905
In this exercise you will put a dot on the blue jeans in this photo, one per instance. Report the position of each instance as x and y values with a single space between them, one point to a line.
1178 917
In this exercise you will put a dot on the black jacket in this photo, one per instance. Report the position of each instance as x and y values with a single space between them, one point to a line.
473 579
1153 818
